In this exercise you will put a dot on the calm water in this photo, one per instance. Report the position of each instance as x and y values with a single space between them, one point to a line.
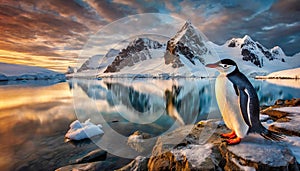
35 116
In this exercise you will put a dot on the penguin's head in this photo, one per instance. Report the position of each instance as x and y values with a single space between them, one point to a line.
224 66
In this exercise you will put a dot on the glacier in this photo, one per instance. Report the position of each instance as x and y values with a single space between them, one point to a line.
13 72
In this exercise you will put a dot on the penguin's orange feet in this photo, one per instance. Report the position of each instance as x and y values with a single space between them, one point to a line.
234 141
230 135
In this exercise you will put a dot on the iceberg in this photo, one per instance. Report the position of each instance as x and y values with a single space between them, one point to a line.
80 131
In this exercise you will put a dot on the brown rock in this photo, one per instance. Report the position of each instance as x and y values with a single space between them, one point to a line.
95 155
289 127
253 153
189 154
167 161
138 164
286 103
279 102
274 114
296 102
94 166
143 134
284 130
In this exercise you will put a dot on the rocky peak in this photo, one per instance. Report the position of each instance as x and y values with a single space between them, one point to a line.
187 42
112 53
247 39
136 51
254 51
91 63
277 50
146 43
238 42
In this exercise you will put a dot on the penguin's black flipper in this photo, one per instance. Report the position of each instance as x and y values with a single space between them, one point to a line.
244 101
236 89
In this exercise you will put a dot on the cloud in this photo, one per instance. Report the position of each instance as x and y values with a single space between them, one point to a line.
59 29
111 11
267 28
222 20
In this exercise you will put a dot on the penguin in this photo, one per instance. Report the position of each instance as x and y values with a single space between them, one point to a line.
238 103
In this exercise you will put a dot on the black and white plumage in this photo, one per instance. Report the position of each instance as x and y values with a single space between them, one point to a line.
238 102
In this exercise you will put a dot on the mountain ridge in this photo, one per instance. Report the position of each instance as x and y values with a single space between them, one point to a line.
187 51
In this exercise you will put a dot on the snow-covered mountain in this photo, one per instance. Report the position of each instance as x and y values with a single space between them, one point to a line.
95 62
138 50
187 43
11 72
182 55
185 55
255 52
253 58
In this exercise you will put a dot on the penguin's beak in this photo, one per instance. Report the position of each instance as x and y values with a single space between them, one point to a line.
215 65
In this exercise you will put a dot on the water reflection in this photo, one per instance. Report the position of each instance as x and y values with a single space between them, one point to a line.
34 118
29 115
172 103
145 101
148 101
151 106
157 106
271 90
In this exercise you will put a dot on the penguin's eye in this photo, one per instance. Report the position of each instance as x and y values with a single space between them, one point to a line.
225 65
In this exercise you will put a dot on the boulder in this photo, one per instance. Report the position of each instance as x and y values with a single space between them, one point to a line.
274 114
136 140
193 153
256 153
96 155
93 166
203 149
138 164
291 126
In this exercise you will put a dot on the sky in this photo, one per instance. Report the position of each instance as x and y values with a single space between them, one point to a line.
52 33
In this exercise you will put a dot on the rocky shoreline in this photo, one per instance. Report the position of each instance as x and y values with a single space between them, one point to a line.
203 149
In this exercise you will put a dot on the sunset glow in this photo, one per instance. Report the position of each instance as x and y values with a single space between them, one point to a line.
51 34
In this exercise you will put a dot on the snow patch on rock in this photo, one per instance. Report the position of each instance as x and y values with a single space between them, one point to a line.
195 154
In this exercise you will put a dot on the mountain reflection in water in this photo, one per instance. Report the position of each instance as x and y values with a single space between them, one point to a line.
34 118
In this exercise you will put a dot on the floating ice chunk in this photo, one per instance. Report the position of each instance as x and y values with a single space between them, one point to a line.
79 131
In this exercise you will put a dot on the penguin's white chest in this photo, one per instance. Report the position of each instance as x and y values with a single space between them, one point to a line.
229 106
